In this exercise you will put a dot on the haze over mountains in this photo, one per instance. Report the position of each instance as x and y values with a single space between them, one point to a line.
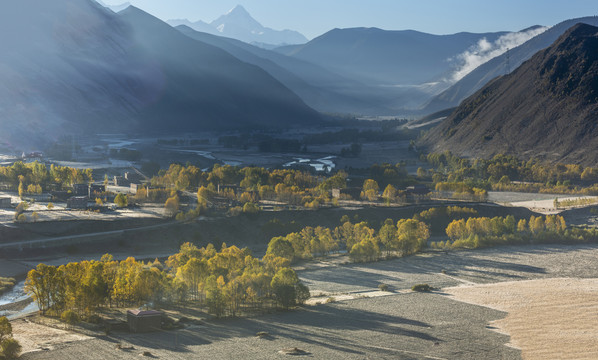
239 24
77 67
366 70
546 108
497 66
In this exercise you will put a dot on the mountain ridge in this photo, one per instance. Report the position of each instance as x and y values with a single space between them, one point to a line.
79 68
476 79
547 108
239 24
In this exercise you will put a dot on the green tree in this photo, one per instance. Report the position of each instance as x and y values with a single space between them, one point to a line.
5 328
214 297
364 251
193 273
251 208
172 205
390 193
121 200
284 287
388 236
281 247
370 190
412 236
10 348
70 317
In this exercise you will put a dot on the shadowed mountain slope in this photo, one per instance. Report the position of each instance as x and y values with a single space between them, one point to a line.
479 77
546 108
378 56
76 67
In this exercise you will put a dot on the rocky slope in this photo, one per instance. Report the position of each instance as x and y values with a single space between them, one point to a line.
546 108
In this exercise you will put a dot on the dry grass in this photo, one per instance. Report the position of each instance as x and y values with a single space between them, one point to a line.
547 318
35 337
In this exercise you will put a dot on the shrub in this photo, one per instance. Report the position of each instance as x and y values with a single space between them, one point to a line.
70 317
262 334
10 349
121 200
383 287
93 319
234 211
421 288
251 208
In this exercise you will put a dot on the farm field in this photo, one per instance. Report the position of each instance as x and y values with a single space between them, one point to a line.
400 325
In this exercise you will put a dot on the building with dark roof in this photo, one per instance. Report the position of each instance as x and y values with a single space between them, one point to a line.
5 203
141 321
77 202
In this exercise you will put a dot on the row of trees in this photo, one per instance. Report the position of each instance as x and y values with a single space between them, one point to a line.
477 232
363 243
508 173
226 282
251 184
35 177
462 191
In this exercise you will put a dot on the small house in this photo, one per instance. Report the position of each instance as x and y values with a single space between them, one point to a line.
77 202
418 189
39 197
133 177
121 181
80 189
5 203
141 321
95 190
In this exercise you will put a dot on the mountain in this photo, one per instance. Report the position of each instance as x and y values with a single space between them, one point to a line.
387 58
547 108
497 66
77 67
239 24
321 89
115 8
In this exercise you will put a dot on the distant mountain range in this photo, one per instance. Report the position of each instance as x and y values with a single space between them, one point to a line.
385 57
497 66
239 24
546 108
321 89
78 68
403 70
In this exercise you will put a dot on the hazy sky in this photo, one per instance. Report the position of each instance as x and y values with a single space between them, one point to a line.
314 17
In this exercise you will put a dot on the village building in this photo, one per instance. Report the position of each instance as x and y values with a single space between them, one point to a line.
141 321
121 181
134 178
96 190
418 189
5 203
80 189
77 202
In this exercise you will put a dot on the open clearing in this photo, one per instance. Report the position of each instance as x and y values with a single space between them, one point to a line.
540 203
564 314
401 325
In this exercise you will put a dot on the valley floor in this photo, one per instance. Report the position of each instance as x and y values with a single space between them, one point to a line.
402 324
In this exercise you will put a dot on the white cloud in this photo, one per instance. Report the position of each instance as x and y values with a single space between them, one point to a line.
484 51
